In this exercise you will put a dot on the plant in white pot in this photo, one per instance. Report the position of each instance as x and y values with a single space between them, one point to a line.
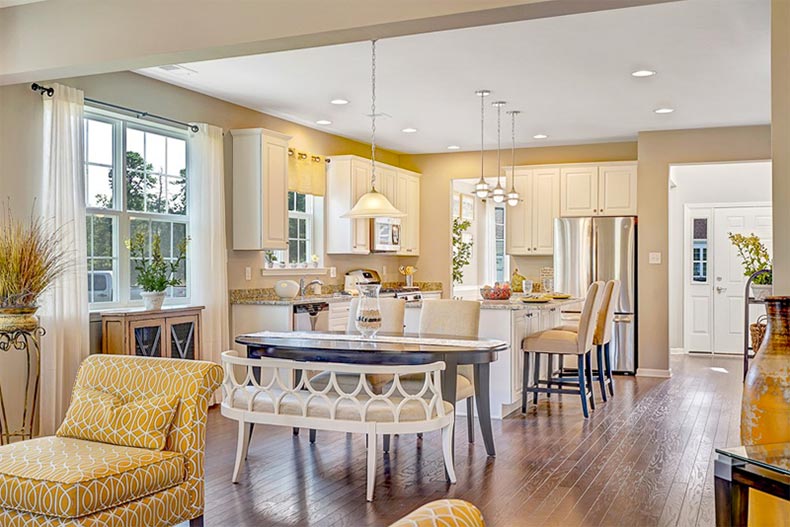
154 273
755 257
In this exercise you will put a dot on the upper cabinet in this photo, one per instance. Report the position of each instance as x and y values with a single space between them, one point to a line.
348 178
260 189
530 224
603 190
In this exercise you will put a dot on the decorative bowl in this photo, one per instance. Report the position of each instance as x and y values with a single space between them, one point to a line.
498 292
286 288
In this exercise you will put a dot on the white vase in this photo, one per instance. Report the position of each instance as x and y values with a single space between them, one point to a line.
761 292
152 300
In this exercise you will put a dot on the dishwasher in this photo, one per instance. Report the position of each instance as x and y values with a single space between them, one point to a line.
311 316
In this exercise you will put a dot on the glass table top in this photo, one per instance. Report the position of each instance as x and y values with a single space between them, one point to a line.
775 457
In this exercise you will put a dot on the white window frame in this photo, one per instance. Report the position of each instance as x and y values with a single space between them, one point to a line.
122 279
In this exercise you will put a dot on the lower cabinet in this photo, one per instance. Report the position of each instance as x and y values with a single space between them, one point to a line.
172 332
338 316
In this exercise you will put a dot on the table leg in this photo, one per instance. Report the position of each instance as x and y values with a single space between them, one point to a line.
732 498
482 393
449 382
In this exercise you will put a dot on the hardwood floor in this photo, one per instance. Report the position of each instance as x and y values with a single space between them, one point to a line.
644 458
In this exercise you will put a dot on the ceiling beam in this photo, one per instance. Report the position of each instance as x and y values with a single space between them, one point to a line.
57 39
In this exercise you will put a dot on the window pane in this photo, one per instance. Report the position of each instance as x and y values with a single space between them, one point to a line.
140 226
293 252
293 228
99 142
700 228
101 262
102 239
155 194
303 229
176 157
177 195
179 233
155 151
135 180
302 251
135 141
291 200
300 202
99 183
162 228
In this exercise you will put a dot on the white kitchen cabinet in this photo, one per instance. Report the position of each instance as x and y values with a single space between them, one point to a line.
347 179
260 189
387 181
431 295
617 190
530 224
407 200
338 316
602 190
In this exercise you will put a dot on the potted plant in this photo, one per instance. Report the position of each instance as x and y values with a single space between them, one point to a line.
154 273
314 259
462 249
755 257
270 258
31 259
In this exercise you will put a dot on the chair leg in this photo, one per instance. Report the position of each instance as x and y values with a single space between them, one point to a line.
196 522
296 431
601 381
419 435
386 443
447 450
312 435
241 449
582 388
371 464
470 418
608 358
536 375
251 427
524 382
588 367
549 373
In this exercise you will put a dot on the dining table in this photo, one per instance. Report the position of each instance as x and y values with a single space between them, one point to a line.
391 349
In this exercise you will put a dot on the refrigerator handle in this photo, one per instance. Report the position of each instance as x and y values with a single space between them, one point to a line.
594 251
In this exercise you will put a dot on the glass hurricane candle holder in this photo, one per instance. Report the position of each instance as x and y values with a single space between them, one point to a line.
368 317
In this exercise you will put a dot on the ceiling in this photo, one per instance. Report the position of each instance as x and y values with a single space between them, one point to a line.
570 76
11 3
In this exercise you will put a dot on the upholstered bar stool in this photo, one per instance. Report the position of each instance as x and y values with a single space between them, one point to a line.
564 342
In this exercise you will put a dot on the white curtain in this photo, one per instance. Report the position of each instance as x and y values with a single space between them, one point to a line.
208 254
64 309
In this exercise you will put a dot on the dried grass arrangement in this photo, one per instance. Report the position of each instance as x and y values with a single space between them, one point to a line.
31 259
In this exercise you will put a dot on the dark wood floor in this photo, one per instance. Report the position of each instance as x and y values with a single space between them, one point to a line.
642 459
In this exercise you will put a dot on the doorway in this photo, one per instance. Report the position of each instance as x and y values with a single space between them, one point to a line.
707 202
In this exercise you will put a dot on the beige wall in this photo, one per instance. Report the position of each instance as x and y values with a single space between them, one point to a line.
780 141
657 151
439 169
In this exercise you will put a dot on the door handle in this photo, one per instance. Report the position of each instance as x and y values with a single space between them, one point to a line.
720 289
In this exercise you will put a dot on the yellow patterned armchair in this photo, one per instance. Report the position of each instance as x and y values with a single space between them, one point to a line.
443 513
63 481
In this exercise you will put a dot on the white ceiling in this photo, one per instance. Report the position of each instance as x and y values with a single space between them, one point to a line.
11 3
569 75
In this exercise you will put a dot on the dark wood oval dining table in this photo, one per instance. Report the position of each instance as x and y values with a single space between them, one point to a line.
335 346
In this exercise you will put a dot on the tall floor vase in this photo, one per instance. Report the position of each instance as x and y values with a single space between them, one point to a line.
765 410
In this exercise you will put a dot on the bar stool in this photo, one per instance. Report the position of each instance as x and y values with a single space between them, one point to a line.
564 342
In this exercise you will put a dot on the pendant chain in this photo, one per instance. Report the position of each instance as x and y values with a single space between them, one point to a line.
373 116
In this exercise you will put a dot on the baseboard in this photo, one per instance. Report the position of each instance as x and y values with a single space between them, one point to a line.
649 372
677 351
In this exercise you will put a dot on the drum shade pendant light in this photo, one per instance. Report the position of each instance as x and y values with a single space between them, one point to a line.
498 194
373 204
512 196
482 188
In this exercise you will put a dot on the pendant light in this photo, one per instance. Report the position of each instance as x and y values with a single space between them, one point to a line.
373 204
482 188
498 194
512 196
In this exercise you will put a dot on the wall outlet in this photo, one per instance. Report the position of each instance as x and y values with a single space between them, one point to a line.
384 270
248 273
333 272
654 258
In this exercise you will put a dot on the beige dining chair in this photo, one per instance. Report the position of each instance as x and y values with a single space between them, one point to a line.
558 341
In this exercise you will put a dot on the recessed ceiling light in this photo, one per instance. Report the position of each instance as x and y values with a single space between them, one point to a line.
664 110
323 122
643 73
339 102
453 147
409 130
540 136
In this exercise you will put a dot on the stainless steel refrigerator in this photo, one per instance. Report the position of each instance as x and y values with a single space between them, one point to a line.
590 249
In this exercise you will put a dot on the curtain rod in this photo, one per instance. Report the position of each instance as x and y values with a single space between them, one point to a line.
138 113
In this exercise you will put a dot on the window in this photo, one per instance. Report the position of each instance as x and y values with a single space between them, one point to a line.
499 242
699 250
304 230
135 181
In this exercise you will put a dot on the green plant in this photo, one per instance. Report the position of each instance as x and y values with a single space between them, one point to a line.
31 259
754 256
462 250
269 256
154 273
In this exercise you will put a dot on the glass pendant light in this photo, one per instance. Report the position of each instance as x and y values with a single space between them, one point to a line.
373 204
482 188
512 196
498 194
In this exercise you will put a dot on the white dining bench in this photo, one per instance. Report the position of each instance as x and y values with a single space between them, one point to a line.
276 400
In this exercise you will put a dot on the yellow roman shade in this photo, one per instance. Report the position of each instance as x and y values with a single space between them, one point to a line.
306 173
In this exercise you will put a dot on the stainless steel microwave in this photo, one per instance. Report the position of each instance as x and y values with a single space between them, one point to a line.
386 234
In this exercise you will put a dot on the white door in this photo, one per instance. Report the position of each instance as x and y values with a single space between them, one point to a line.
545 208
729 281
698 280
579 191
617 190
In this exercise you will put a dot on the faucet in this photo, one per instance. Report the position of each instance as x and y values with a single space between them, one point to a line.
303 286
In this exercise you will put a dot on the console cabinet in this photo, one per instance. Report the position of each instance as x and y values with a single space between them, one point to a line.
173 332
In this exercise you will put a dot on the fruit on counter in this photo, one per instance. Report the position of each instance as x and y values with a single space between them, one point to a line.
497 292
517 282
407 270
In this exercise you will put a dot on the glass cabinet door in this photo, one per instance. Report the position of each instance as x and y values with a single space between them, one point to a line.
147 338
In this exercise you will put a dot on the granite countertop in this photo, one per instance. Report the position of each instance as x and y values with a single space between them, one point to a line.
516 305
308 299
331 294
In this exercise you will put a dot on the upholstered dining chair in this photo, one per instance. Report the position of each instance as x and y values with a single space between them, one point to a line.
558 341
447 512
158 481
